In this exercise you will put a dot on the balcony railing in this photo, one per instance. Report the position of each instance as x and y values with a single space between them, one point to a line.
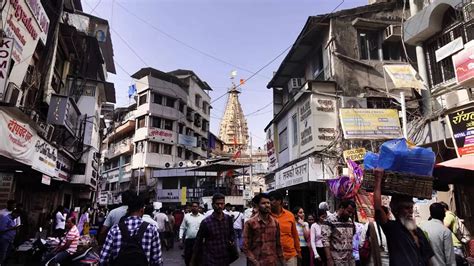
123 146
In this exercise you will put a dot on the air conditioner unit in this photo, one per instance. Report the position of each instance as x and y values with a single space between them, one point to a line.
392 33
168 164
353 102
468 12
200 163
295 83
455 98
182 164
12 95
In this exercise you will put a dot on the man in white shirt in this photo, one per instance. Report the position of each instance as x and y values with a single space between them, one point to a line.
238 227
188 231
147 215
162 219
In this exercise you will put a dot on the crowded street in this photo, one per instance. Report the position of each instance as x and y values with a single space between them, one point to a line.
237 132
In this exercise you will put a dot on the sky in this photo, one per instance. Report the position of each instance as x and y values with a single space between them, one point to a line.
211 38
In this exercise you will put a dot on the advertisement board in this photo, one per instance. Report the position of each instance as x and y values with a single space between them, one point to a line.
461 124
294 174
6 46
188 141
271 151
168 195
45 158
403 76
17 139
354 154
318 123
463 62
162 135
370 123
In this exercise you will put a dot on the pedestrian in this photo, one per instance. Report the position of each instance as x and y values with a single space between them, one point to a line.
8 230
83 221
178 215
114 216
60 221
451 222
148 214
188 231
378 255
407 244
289 237
356 241
250 211
132 241
303 234
238 227
262 244
215 237
324 206
228 209
310 220
317 238
170 229
338 231
439 236
67 246
162 220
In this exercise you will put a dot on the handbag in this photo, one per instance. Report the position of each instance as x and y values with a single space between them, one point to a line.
232 249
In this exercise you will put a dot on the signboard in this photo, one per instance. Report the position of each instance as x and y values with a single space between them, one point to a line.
45 158
17 139
184 191
370 123
292 175
354 154
449 49
461 124
6 182
318 123
168 195
188 141
45 179
63 167
270 147
464 64
26 22
6 46
403 76
161 135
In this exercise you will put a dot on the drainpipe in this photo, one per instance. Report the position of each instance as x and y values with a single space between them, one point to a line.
421 62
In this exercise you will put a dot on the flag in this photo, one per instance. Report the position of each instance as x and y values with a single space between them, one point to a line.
233 73
242 81
132 89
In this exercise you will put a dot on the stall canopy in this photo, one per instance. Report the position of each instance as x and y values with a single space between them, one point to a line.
466 162
455 171
219 167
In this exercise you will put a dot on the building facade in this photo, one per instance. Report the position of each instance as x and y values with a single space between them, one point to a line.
50 97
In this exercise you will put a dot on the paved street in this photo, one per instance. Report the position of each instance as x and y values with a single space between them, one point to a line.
173 258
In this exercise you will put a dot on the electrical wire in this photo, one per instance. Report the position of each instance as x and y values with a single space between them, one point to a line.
263 108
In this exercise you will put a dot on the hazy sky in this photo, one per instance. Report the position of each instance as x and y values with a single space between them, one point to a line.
212 38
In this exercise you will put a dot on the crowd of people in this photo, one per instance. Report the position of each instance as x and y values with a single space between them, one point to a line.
267 233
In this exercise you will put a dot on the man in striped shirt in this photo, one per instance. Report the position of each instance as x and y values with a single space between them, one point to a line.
68 245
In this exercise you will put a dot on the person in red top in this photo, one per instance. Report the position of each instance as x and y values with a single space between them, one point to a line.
178 215
289 238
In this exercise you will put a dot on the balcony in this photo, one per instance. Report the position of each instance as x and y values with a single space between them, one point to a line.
120 131
121 147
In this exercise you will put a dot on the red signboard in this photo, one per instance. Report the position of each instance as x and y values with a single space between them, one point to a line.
464 64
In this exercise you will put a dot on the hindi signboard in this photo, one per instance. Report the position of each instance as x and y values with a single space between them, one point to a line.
461 124
370 123
294 174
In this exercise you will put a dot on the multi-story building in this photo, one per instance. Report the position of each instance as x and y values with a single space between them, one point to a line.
172 122
337 61
52 99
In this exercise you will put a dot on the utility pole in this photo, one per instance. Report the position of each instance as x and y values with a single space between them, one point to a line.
251 166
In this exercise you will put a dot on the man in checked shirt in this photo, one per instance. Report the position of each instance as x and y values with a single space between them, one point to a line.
150 241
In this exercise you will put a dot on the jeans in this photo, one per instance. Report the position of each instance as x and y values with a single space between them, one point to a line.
5 246
188 250
238 238
58 257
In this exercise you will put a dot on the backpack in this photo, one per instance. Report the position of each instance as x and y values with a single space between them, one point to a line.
131 252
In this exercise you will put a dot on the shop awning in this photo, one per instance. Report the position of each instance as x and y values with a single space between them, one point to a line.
219 167
466 162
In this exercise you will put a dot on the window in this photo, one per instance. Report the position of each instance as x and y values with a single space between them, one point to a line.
197 100
142 100
294 124
205 107
180 128
157 98
156 122
392 51
283 140
168 124
187 182
170 102
140 146
180 152
170 183
127 159
167 149
153 147
369 43
141 121
181 107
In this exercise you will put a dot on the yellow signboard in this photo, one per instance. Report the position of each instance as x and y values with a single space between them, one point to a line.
183 195
370 123
403 76
354 154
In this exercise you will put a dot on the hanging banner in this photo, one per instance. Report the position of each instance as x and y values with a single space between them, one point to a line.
6 46
17 139
461 124
270 147
188 141
294 174
45 158
403 77
370 123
